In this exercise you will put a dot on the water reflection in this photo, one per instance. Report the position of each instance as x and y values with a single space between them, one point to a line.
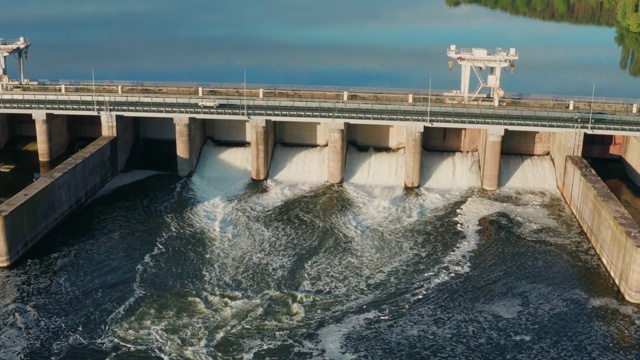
630 43
622 14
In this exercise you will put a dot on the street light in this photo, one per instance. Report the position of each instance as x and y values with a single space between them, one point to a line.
429 103
593 92
93 80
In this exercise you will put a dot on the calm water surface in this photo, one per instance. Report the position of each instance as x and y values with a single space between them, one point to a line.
396 44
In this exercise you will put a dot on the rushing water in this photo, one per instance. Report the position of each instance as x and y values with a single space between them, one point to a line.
216 266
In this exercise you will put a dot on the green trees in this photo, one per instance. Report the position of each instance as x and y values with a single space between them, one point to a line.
629 15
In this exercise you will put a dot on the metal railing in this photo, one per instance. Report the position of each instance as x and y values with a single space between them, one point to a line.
604 114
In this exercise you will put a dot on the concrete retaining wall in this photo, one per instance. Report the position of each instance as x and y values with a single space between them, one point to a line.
527 142
451 139
22 124
377 136
602 146
59 138
84 126
232 131
631 156
613 233
565 144
31 214
299 133
157 128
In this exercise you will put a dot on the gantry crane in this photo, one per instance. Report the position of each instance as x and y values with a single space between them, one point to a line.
19 47
479 59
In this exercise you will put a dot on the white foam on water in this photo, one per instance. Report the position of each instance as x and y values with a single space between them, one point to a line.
332 336
125 178
372 168
457 261
221 171
625 308
530 172
450 170
506 308
299 164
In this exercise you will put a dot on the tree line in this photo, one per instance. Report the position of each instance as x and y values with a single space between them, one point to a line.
623 14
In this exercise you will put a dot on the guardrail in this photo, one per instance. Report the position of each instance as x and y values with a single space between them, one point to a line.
607 114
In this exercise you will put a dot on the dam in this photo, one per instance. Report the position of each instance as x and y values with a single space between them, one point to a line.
411 129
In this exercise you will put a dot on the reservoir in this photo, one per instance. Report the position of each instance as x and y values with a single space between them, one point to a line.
215 266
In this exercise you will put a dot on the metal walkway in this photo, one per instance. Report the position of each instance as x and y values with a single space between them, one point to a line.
440 111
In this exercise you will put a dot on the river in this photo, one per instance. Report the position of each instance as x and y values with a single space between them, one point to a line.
216 266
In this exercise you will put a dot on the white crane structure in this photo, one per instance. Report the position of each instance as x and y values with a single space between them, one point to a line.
478 60
21 48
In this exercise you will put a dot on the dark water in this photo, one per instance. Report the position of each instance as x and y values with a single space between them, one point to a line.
217 267
167 268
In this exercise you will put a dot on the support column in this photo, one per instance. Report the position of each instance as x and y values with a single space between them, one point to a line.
189 140
490 158
569 143
413 156
122 128
262 143
4 130
52 137
336 155
464 81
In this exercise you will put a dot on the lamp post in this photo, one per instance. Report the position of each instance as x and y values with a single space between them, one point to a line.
93 81
429 103
244 84
593 92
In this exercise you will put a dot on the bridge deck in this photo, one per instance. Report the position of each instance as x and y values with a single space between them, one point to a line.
601 116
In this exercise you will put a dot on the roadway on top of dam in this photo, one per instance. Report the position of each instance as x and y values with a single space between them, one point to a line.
605 116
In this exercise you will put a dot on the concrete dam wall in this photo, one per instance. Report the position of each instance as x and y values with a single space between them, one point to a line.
614 234
30 215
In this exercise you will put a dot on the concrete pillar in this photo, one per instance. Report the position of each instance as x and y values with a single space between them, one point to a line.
634 108
262 143
200 91
336 152
4 130
123 128
491 150
345 96
51 134
63 88
569 143
189 140
261 94
631 157
410 98
120 89
413 156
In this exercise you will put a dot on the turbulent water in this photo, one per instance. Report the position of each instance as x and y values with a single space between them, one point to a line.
216 266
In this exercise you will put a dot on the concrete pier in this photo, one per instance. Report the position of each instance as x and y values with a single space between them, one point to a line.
336 152
262 143
122 128
568 143
189 140
413 156
631 156
490 152
51 134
